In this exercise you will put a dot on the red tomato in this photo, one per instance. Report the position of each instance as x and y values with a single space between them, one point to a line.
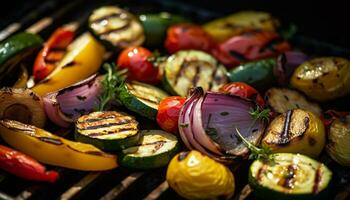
139 68
168 113
250 46
52 53
188 36
243 90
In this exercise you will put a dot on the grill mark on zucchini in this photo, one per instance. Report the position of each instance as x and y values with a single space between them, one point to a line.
196 76
142 96
180 72
317 180
112 15
261 171
118 131
288 180
115 30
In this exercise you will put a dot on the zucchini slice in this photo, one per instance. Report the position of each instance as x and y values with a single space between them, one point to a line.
141 98
107 130
290 177
13 51
281 100
156 149
116 28
191 68
22 105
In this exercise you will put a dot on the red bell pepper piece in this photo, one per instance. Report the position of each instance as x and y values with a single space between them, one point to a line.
250 46
53 51
24 166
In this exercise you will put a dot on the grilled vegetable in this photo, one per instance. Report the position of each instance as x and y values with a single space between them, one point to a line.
22 105
188 36
108 130
296 131
187 69
51 149
22 78
53 51
24 166
116 28
141 98
14 50
258 74
289 177
168 113
243 90
196 176
324 78
83 59
338 141
250 46
136 61
156 25
281 100
238 23
155 150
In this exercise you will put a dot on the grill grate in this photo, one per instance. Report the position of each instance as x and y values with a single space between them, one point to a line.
119 183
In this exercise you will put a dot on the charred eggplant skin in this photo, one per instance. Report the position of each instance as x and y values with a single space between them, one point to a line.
324 78
296 131
290 177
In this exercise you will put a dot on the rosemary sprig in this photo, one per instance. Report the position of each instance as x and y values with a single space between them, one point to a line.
256 152
112 81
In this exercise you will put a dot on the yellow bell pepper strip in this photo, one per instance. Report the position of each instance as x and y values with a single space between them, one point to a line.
83 59
51 149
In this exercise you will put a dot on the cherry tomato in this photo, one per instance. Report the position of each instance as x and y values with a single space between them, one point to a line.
250 46
52 53
243 90
139 68
188 36
168 113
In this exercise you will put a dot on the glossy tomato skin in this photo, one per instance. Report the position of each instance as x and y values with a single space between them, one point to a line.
139 68
188 36
243 90
250 46
168 113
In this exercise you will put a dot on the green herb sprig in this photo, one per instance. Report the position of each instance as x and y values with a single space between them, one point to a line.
256 152
112 81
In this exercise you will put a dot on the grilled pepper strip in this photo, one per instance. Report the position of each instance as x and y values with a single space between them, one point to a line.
24 166
53 51
83 59
54 150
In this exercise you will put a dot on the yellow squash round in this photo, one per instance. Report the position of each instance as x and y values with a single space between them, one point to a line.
196 176
324 78
296 131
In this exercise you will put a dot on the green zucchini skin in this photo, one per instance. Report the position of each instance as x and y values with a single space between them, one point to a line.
192 68
144 101
258 74
150 161
14 50
264 192
156 25
123 121
115 36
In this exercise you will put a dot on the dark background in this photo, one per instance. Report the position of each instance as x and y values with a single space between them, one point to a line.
323 20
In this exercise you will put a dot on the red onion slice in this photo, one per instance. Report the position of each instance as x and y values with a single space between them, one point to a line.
67 105
286 64
224 113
